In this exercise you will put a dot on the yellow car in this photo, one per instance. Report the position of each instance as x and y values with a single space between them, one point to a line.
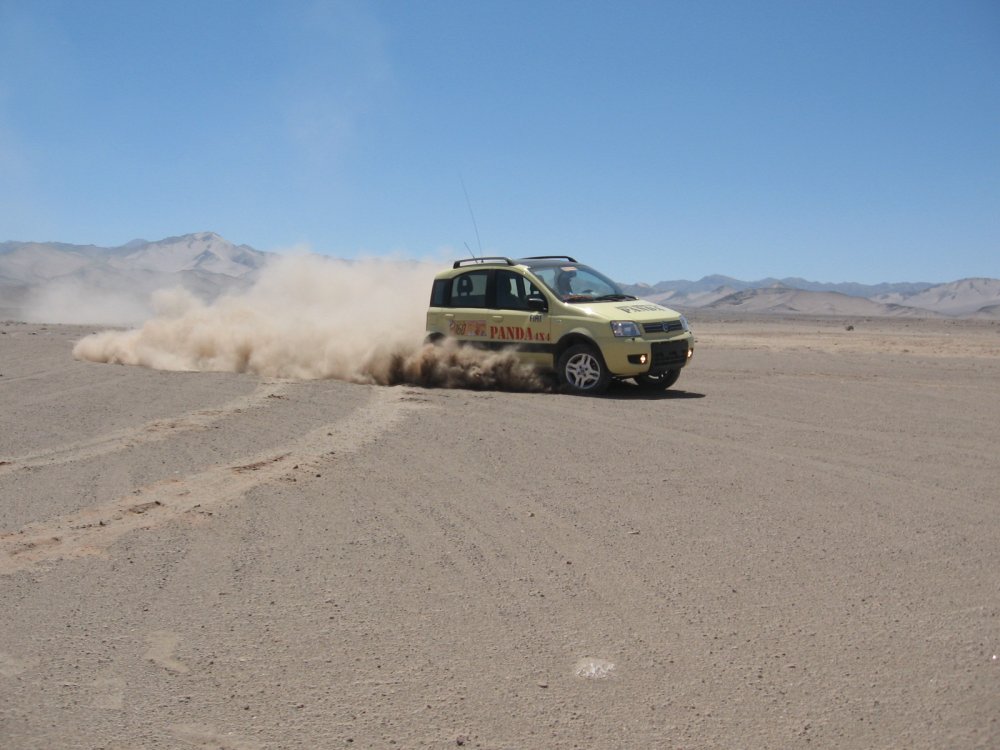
563 316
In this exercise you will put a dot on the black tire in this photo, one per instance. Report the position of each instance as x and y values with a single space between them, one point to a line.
658 382
581 370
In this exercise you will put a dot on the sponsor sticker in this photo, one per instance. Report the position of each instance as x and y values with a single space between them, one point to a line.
476 328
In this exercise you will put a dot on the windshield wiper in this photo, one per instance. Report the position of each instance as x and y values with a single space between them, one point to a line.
615 298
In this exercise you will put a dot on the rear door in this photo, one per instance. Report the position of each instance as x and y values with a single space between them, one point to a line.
468 318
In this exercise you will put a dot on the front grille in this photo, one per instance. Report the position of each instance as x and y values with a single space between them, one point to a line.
668 354
665 326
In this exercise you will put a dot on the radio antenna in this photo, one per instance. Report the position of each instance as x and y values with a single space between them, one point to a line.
474 225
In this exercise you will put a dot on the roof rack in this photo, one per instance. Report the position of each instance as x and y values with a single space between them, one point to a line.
551 257
485 259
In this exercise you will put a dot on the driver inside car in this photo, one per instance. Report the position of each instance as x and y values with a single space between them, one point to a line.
563 284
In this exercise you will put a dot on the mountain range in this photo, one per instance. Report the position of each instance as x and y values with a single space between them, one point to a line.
965 298
58 282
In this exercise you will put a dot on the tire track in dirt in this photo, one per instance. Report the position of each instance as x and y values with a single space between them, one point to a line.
92 530
150 432
502 551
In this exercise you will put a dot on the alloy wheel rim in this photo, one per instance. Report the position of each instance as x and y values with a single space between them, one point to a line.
583 371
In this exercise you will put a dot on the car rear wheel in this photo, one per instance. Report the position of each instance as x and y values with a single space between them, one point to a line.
658 382
582 370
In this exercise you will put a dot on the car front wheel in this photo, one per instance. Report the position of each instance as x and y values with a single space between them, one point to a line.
582 370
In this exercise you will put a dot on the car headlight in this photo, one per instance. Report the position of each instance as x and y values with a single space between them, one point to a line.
624 328
685 324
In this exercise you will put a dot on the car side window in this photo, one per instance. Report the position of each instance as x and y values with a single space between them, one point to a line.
469 289
512 291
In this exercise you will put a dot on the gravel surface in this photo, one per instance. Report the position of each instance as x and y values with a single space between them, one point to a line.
797 546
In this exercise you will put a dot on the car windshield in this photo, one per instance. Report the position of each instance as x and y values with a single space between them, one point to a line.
573 282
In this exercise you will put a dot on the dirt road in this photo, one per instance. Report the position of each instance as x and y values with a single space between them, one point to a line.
797 547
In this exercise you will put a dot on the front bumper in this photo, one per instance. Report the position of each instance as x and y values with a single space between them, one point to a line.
638 356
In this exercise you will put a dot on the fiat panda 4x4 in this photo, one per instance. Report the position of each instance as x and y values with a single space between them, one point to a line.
563 316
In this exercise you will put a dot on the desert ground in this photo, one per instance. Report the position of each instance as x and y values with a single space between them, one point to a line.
798 546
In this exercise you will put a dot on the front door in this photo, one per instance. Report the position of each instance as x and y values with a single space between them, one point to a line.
511 323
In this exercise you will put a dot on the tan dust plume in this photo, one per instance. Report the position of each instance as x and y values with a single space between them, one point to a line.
311 317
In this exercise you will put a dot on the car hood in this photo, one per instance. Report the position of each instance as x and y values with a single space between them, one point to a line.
639 310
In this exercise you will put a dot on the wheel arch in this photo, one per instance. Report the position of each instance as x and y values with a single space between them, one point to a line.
572 339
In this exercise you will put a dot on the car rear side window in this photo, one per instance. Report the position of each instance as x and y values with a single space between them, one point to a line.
439 293
469 289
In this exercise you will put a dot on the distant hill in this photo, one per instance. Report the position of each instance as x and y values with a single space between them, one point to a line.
203 252
792 301
959 298
714 282
57 282
35 262
962 298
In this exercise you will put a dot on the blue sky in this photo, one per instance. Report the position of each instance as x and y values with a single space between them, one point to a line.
830 140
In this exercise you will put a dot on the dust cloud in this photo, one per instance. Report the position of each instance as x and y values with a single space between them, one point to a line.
73 300
310 317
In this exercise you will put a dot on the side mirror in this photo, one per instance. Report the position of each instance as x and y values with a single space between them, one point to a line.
537 303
